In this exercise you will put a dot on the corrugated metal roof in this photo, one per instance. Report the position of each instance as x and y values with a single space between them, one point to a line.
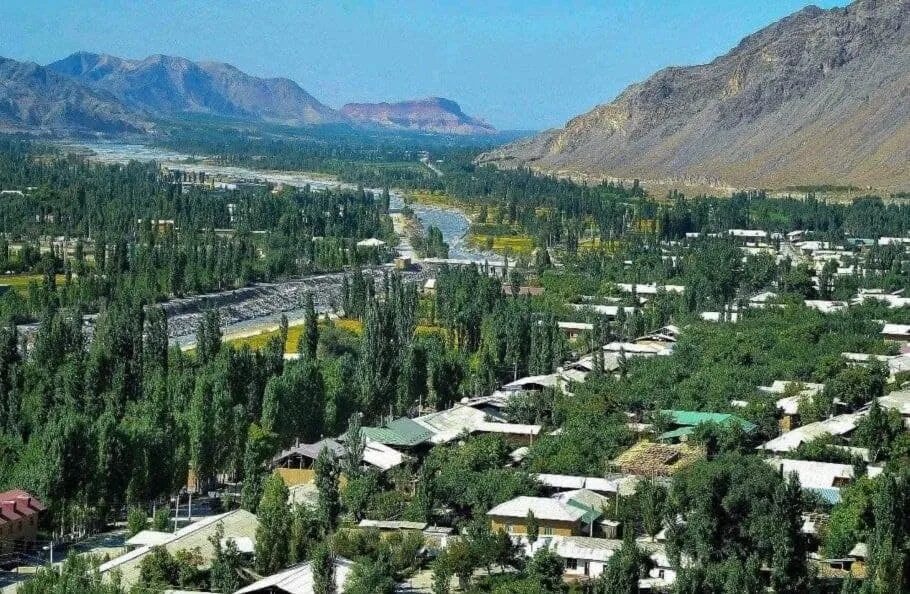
399 432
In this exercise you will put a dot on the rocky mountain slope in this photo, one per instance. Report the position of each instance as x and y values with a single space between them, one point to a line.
434 114
820 97
33 97
172 85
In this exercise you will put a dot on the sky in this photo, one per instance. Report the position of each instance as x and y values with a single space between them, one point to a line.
521 65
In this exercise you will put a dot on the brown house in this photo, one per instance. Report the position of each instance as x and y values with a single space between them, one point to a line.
554 518
19 513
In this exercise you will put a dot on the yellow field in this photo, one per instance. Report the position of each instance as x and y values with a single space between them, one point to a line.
514 244
20 282
257 341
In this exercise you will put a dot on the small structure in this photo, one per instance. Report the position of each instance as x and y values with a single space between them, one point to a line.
657 459
370 243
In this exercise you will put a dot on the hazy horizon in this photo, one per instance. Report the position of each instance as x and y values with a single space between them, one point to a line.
518 65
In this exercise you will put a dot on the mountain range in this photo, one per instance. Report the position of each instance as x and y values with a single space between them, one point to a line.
88 92
820 97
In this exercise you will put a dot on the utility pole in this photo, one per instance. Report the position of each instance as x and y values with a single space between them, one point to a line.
189 509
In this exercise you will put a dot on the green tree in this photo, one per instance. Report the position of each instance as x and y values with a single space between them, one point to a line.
326 479
532 526
323 563
272 549
623 570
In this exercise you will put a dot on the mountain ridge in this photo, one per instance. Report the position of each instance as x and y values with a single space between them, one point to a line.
819 97
432 114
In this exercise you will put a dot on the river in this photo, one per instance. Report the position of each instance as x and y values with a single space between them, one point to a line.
453 222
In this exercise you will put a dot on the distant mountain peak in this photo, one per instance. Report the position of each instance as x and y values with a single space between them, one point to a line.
164 84
432 114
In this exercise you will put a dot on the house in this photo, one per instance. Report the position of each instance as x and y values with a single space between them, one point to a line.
822 478
898 401
238 525
554 518
19 516
586 558
657 459
295 464
836 426
788 406
574 330
299 579
608 311
898 332
684 423
447 425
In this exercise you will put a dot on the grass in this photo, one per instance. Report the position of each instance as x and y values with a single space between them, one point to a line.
513 244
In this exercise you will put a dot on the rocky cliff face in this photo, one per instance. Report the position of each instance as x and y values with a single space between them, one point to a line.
36 98
435 114
820 97
172 85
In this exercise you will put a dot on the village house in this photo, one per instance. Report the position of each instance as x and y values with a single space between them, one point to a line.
586 558
19 516
788 406
554 518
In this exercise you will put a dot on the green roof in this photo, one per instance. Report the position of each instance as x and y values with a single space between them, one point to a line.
399 432
691 418
590 514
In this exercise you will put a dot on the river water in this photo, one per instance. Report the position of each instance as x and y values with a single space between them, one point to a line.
453 223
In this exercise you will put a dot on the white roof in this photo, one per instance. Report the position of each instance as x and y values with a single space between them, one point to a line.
430 283
897 329
150 538
543 508
548 380
583 326
371 242
899 401
380 455
299 579
604 310
561 481
589 549
838 425
813 475
716 316
748 233
825 306
649 289
392 524
780 386
859 550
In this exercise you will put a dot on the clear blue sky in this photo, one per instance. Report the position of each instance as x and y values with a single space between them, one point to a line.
527 64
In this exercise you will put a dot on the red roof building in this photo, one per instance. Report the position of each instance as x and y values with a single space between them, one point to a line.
19 512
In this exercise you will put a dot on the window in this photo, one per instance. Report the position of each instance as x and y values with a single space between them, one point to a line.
572 564
510 528
546 530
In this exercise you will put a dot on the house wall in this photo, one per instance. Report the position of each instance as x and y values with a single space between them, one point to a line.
595 568
15 531
547 527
